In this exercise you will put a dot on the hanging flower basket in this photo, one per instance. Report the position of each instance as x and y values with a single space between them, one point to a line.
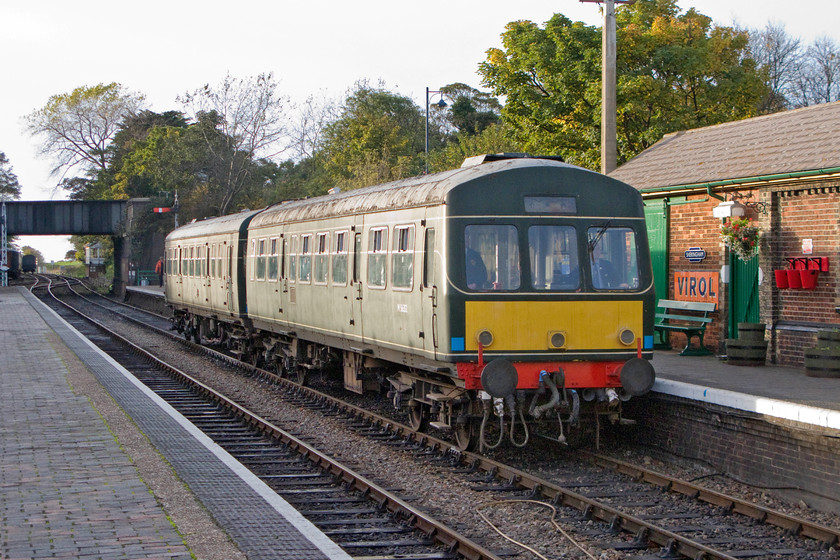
742 237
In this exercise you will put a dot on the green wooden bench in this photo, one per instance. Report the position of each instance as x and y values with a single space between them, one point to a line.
688 317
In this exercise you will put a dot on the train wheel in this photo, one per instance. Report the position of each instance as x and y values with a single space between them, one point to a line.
466 435
418 417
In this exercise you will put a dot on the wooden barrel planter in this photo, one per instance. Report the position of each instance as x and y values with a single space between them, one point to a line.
751 331
824 359
745 352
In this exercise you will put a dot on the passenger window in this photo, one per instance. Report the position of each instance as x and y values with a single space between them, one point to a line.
402 258
429 259
273 266
377 254
305 264
339 259
293 258
491 259
554 258
613 259
261 259
322 258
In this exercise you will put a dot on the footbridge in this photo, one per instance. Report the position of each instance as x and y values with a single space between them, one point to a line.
77 217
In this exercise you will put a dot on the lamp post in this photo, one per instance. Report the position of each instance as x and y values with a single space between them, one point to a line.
441 104
4 256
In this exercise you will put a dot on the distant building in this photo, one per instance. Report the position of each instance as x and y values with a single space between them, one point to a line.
94 260
782 171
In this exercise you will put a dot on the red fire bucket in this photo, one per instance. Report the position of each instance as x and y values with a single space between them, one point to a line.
794 279
781 279
809 278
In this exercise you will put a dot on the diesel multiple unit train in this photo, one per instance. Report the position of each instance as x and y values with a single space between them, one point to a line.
511 295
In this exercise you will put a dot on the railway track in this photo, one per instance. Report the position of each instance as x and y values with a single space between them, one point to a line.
365 519
610 505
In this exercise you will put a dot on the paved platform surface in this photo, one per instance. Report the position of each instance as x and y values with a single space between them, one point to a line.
68 490
781 392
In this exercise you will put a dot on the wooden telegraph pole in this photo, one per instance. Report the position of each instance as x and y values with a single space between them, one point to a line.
609 150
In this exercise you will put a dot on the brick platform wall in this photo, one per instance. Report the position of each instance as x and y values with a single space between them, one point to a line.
742 445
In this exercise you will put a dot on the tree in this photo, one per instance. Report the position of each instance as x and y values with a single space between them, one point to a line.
77 127
817 78
248 123
778 55
472 110
308 127
491 140
9 185
379 137
674 71
824 62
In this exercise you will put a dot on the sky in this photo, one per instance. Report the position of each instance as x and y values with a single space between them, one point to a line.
315 47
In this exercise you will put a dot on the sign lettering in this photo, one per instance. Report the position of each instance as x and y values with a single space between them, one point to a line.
697 285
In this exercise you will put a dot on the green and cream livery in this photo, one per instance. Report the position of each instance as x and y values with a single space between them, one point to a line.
512 294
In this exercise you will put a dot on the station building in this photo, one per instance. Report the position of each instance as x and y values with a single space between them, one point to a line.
782 171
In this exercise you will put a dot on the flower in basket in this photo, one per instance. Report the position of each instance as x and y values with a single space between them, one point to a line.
742 236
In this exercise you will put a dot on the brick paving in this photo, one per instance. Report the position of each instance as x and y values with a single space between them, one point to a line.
67 490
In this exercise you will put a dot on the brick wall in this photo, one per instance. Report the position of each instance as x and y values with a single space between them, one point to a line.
743 445
798 212
693 225
793 212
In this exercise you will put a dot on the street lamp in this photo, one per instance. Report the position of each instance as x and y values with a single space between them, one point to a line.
440 104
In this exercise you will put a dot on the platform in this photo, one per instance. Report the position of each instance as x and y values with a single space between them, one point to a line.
777 391
70 489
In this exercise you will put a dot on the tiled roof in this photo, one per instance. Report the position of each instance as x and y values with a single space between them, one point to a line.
800 140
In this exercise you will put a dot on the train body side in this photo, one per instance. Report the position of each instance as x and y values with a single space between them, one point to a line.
513 276
204 267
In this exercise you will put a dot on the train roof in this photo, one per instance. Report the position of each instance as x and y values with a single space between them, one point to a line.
231 223
426 190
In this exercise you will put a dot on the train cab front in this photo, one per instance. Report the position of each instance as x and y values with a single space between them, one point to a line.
551 318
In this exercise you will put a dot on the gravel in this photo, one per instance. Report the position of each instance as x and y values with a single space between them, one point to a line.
434 487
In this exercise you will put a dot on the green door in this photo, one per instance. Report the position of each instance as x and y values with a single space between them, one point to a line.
656 220
743 293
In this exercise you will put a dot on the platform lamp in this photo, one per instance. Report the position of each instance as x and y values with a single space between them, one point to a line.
440 104
729 209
